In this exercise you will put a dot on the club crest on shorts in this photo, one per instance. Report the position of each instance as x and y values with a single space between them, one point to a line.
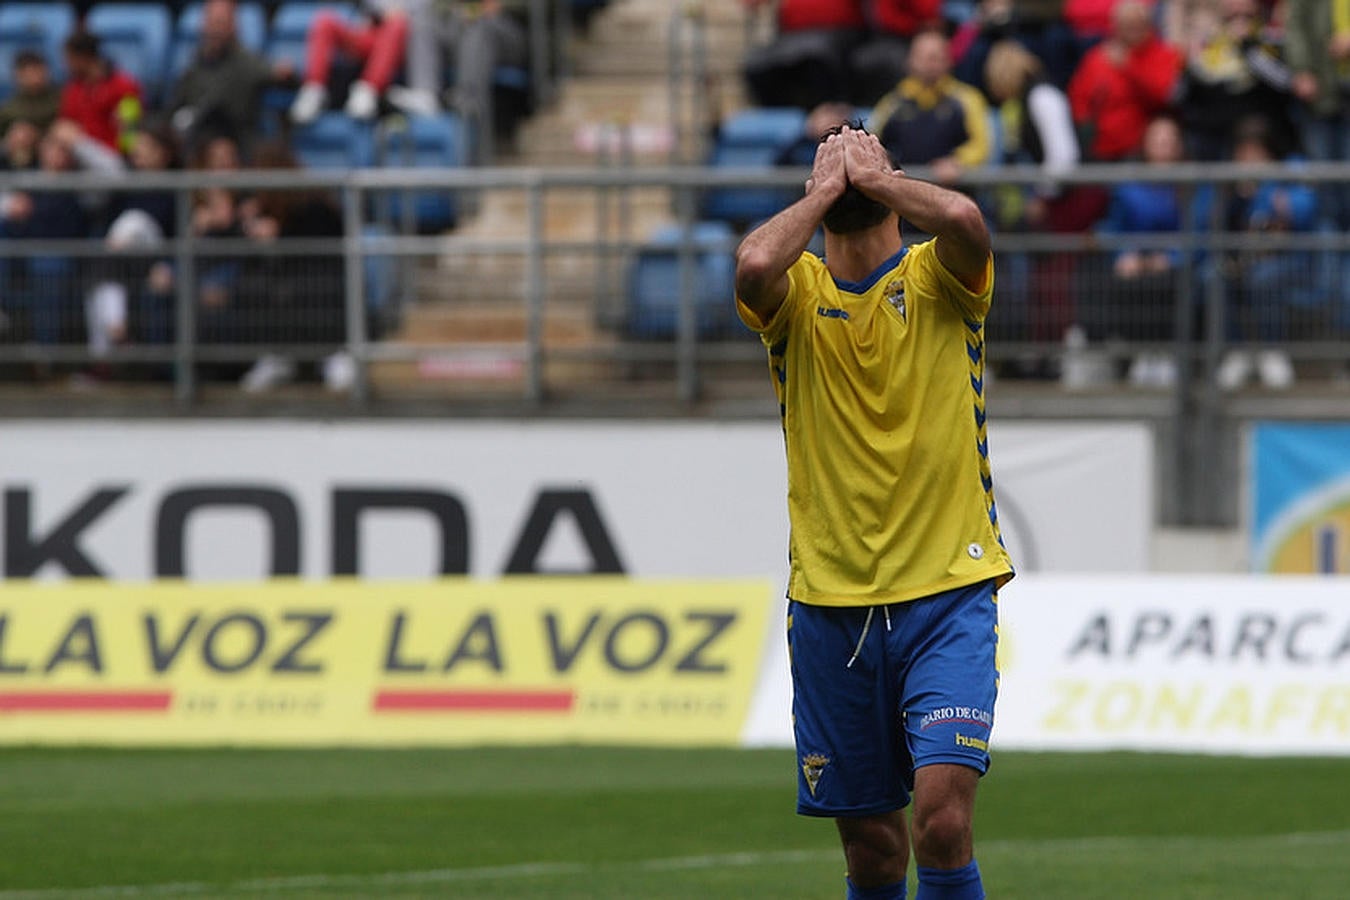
895 296
813 764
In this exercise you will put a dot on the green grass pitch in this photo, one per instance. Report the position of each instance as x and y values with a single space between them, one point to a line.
619 823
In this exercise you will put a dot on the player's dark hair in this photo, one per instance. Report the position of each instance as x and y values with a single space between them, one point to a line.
854 210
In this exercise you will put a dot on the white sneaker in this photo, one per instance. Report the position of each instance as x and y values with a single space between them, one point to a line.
339 372
309 102
1165 371
268 372
362 101
1276 369
1076 371
409 100
1234 370
1142 369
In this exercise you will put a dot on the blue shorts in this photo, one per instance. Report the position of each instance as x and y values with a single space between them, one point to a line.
920 690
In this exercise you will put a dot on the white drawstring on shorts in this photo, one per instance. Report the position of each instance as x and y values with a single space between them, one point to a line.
867 626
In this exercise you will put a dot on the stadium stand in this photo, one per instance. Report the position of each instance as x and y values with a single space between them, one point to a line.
619 81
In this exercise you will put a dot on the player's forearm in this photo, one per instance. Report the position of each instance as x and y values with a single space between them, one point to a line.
935 210
765 255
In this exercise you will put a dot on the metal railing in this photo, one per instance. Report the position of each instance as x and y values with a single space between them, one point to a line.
541 316
1203 251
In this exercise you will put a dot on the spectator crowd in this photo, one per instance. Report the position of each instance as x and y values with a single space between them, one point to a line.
949 87
228 106
1055 83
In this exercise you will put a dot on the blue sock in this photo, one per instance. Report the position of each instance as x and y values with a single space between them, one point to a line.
885 892
950 884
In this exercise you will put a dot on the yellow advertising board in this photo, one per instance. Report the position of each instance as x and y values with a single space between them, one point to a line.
452 662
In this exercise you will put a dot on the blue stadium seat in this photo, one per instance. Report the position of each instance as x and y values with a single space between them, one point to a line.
250 24
762 127
334 141
752 138
439 141
741 205
42 27
135 36
653 302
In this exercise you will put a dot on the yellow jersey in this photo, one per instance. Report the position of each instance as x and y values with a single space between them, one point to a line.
880 386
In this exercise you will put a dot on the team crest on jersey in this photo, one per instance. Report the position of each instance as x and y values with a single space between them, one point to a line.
813 764
895 296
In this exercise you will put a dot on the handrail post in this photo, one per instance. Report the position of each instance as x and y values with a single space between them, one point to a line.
1206 481
686 334
185 302
602 215
353 258
540 56
674 96
534 295
1180 442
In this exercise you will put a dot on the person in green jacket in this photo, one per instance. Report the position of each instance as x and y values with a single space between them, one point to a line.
220 92
36 99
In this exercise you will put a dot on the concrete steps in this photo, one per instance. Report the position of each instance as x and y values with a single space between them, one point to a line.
474 323
473 302
482 348
641 38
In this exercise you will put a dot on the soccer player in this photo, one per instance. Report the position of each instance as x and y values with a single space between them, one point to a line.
877 357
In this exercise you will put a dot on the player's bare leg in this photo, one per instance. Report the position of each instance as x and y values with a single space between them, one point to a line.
876 848
944 810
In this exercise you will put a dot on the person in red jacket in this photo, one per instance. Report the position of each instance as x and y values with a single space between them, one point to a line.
103 101
1122 83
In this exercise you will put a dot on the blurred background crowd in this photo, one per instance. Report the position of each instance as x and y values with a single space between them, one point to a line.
226 86
952 89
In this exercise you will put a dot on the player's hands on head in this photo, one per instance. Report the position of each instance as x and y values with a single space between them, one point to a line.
866 161
828 173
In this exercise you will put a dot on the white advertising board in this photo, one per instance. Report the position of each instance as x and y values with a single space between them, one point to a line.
1231 664
1256 665
221 500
